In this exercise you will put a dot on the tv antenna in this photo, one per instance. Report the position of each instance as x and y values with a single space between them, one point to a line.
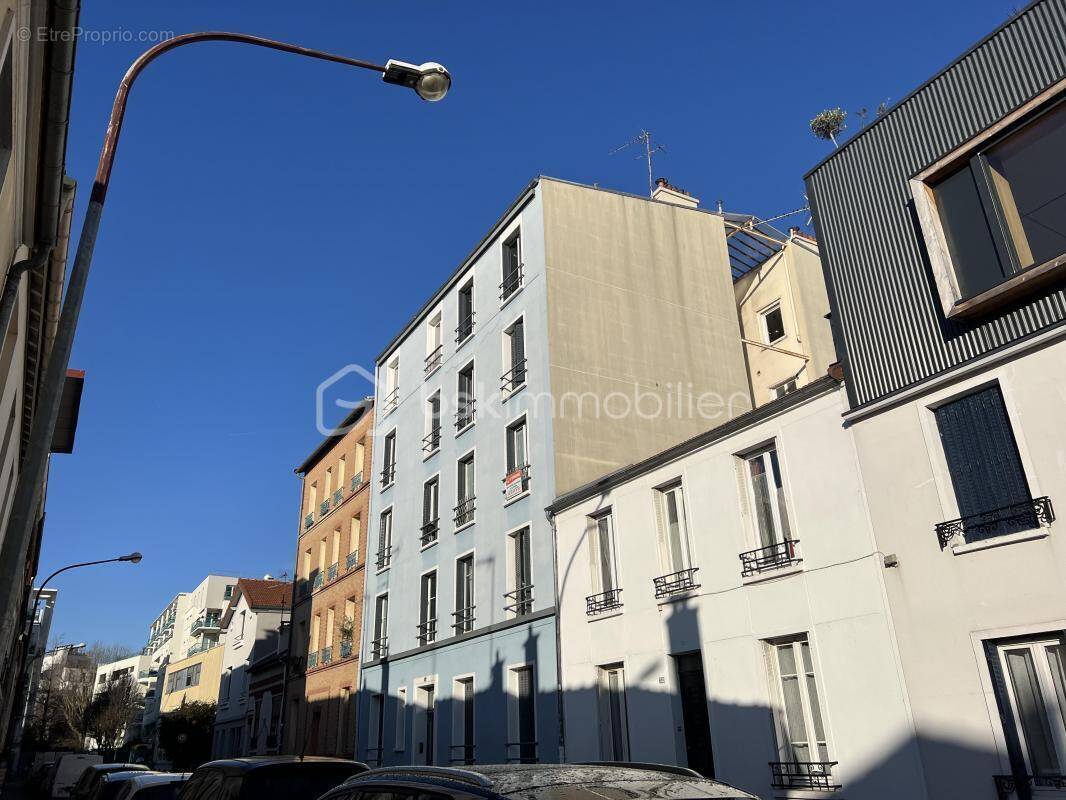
650 148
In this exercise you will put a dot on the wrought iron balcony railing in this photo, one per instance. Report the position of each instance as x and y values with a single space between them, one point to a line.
357 480
379 648
333 571
676 582
522 752
317 582
431 441
516 482
312 659
1035 513
466 413
427 632
520 600
391 401
462 754
346 648
803 775
763 559
465 329
1007 786
464 512
514 377
384 558
351 561
309 520
464 620
326 656
512 281
323 508
388 475
604 601
338 495
430 531
435 358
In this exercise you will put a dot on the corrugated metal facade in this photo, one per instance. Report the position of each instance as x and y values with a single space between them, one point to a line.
885 305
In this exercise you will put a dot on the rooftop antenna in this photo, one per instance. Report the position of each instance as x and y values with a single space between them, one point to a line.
650 147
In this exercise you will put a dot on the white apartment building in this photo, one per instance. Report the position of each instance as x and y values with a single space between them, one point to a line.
141 673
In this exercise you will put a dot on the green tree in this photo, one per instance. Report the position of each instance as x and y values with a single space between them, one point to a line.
829 123
185 735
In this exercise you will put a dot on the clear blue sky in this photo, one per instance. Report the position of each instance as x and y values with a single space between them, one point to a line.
272 219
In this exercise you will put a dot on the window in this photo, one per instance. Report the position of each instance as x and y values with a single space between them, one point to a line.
392 385
673 531
782 389
514 357
982 458
766 495
376 729
606 592
316 629
328 489
466 312
192 675
464 400
379 645
519 600
516 481
773 324
800 732
522 722
464 594
354 534
1030 681
385 540
388 469
430 510
427 609
614 720
463 722
434 344
512 266
228 593
7 111
341 464
431 441
400 743
464 507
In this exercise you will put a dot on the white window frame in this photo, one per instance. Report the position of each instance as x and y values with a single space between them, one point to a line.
505 352
762 452
458 717
394 436
511 561
472 600
606 715
595 551
471 454
666 551
435 476
428 423
469 364
390 510
434 570
513 731
434 339
764 326
781 731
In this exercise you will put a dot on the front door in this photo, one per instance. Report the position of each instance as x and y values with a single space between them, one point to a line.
697 727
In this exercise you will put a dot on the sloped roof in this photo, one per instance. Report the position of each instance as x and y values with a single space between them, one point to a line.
261 594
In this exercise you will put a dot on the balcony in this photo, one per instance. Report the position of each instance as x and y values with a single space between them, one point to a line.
337 497
764 559
1010 787
388 475
431 441
465 329
323 508
676 582
464 416
464 620
434 359
346 648
803 775
208 621
516 482
519 601
333 571
357 480
604 601
316 584
1036 513
384 558
513 378
464 512
430 531
325 656
379 648
309 520
462 754
312 659
351 561
427 632
391 401
512 281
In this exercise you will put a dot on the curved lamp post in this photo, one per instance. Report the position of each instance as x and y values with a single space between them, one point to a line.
430 81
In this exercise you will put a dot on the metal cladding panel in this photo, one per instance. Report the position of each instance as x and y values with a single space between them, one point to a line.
885 305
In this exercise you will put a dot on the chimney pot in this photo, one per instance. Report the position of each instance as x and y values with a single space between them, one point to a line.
666 192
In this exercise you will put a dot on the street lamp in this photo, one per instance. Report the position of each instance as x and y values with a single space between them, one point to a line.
430 81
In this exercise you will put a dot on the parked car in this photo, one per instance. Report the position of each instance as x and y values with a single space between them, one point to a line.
592 781
93 774
35 781
153 786
66 773
109 785
268 778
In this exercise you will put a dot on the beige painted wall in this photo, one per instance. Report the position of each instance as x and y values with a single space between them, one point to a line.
640 301
206 691
794 278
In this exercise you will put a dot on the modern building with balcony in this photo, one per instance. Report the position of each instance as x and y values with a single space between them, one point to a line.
319 717
587 330
943 233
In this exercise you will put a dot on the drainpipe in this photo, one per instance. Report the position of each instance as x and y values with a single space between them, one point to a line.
558 639
14 280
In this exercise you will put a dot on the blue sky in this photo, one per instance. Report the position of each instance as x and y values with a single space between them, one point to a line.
272 219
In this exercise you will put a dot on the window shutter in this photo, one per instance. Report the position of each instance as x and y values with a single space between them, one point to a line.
606 567
518 351
381 533
661 532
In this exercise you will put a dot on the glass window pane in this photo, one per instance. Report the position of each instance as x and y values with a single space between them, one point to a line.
786 660
1031 711
779 495
673 519
1028 174
606 568
760 490
973 253
1057 663
797 728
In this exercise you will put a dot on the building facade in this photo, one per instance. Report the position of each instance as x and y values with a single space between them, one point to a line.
948 307
328 610
587 330
140 673
251 629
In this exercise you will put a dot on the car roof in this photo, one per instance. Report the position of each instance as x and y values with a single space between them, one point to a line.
116 767
121 775
142 779
236 766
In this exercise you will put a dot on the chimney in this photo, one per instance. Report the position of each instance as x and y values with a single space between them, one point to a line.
666 193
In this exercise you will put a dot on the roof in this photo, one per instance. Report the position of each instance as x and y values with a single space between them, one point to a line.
814 389
119 775
237 766
361 408
142 779
261 595
69 408
750 241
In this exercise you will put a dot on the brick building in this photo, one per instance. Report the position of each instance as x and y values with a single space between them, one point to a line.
328 607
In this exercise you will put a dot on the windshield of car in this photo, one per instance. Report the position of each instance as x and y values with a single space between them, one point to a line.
304 781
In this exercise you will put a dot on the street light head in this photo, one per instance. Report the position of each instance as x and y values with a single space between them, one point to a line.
134 558
430 80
